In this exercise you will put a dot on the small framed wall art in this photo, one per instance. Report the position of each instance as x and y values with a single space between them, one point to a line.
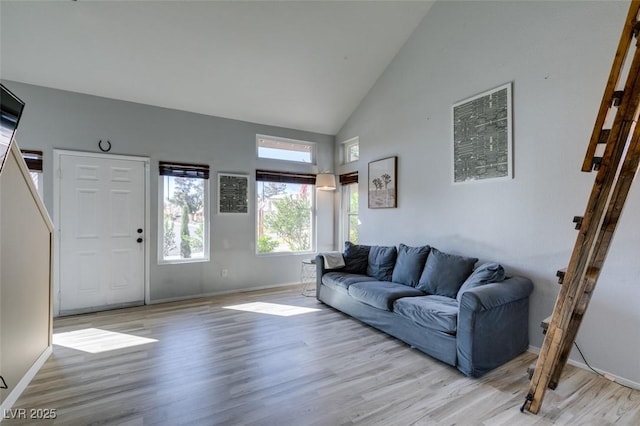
383 183
482 136
233 193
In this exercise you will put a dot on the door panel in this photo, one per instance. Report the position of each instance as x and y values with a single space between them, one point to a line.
101 209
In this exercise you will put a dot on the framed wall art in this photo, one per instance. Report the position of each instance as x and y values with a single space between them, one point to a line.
383 183
233 193
482 136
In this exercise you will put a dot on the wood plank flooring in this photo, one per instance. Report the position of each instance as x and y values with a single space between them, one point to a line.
210 365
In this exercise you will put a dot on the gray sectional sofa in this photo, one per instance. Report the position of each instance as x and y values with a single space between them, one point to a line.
474 320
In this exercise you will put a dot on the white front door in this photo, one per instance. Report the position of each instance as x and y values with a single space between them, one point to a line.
101 231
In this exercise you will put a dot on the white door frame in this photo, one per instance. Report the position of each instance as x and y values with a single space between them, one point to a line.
57 153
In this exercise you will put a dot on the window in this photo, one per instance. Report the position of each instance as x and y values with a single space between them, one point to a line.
184 213
350 222
284 212
285 149
351 150
34 163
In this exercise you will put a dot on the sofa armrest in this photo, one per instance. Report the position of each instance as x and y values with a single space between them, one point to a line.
493 325
492 295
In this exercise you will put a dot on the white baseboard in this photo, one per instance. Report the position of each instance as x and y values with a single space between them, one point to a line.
617 379
221 293
24 382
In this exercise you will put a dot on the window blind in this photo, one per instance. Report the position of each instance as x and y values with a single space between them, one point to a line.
348 178
184 170
285 177
33 159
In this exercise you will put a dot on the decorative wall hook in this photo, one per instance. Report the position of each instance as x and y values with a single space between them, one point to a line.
107 149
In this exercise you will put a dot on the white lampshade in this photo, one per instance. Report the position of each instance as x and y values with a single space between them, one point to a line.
326 181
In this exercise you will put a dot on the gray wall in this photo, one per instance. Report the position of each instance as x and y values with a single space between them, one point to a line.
558 56
65 120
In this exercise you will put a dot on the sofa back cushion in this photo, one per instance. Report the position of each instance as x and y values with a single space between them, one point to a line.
444 273
356 258
381 262
485 273
409 264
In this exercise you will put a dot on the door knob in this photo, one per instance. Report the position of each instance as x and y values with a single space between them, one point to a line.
139 230
139 240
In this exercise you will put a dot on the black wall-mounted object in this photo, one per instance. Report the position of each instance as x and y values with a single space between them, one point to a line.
10 112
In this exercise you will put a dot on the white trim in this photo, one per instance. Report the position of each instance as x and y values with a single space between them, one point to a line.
618 379
222 292
57 154
147 241
24 382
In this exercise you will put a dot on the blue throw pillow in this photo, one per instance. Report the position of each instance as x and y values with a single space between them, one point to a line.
409 264
485 273
444 273
356 258
381 262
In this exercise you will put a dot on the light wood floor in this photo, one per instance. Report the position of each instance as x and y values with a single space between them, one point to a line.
212 365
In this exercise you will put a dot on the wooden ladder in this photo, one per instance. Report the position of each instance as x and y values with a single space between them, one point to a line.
616 168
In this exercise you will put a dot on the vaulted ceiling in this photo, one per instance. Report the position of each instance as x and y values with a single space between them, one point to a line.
303 65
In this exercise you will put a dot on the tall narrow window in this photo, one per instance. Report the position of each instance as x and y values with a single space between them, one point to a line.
184 210
34 163
350 221
284 212
275 148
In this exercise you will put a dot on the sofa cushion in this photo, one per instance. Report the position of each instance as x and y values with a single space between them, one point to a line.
356 257
434 312
444 273
381 294
342 280
485 273
409 264
381 262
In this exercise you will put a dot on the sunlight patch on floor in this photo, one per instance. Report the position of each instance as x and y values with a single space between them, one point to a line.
95 340
272 309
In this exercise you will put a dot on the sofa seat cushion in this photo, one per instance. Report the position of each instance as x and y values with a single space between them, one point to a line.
381 294
342 280
435 312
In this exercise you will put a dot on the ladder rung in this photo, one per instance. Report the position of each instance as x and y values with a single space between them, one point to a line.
560 274
617 97
578 221
545 324
604 136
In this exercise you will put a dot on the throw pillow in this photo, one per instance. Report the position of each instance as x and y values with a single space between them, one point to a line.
444 273
355 257
409 264
486 273
381 262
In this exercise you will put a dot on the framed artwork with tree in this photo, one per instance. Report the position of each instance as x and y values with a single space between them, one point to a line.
383 183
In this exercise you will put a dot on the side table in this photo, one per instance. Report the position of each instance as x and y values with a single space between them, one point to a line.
308 277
